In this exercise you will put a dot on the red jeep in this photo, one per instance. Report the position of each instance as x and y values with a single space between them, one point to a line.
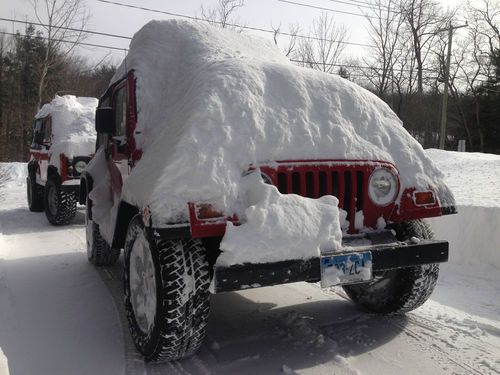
53 169
171 267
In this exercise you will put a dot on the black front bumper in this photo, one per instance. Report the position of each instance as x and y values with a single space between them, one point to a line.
385 256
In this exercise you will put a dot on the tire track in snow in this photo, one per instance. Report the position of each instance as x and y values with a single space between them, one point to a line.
112 276
412 328
454 340
440 339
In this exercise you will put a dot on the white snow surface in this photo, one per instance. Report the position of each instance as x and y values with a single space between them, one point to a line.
60 315
73 129
211 102
475 180
279 227
464 171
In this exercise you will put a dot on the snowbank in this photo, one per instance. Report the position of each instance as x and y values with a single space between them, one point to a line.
473 177
73 129
211 102
474 233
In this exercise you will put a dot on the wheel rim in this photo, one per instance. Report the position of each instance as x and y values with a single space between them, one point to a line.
52 200
142 281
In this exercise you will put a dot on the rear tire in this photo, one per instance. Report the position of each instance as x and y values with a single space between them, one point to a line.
60 206
99 253
400 290
35 194
166 293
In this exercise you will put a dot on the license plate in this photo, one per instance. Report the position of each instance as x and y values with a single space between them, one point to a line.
346 268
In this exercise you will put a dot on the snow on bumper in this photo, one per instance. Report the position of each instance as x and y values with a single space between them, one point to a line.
386 254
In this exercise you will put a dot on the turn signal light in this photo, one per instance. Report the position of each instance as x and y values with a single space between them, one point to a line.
424 198
206 211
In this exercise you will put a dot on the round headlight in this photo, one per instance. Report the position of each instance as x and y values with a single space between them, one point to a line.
382 186
80 166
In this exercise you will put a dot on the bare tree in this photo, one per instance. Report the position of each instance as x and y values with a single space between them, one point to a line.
385 27
323 50
290 48
481 45
65 22
222 14
423 18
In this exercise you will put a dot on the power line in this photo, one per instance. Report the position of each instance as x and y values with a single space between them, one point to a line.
308 62
363 4
292 60
67 28
322 8
351 4
356 1
68 41
233 24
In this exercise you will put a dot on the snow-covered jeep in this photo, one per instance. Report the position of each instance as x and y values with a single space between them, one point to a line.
63 144
221 166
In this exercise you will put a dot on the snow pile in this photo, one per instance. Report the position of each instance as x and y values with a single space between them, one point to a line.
279 227
474 178
474 233
211 102
13 174
4 365
73 132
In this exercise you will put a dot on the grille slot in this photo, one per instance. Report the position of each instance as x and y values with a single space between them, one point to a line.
346 183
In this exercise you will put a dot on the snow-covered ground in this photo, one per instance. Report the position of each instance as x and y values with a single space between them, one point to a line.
60 315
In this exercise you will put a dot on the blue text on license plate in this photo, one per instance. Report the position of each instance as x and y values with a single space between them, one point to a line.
346 268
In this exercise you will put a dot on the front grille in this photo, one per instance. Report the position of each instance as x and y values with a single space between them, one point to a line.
347 184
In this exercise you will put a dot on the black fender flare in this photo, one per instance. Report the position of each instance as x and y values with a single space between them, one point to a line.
86 185
126 213
53 173
32 167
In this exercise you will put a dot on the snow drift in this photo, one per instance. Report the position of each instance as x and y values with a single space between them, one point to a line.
280 226
474 233
211 102
73 131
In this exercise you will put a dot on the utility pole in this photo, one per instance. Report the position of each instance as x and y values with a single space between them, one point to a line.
444 107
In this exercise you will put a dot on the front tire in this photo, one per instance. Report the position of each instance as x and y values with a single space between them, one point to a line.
166 293
400 290
60 206
34 194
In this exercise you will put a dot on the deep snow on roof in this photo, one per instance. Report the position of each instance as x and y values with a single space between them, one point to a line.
73 129
212 101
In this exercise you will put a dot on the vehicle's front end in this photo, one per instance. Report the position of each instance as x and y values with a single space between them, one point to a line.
372 242
70 170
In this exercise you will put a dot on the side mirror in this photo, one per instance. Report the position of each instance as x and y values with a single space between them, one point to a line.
104 121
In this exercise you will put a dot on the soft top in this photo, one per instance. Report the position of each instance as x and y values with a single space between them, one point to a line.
73 129
213 101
